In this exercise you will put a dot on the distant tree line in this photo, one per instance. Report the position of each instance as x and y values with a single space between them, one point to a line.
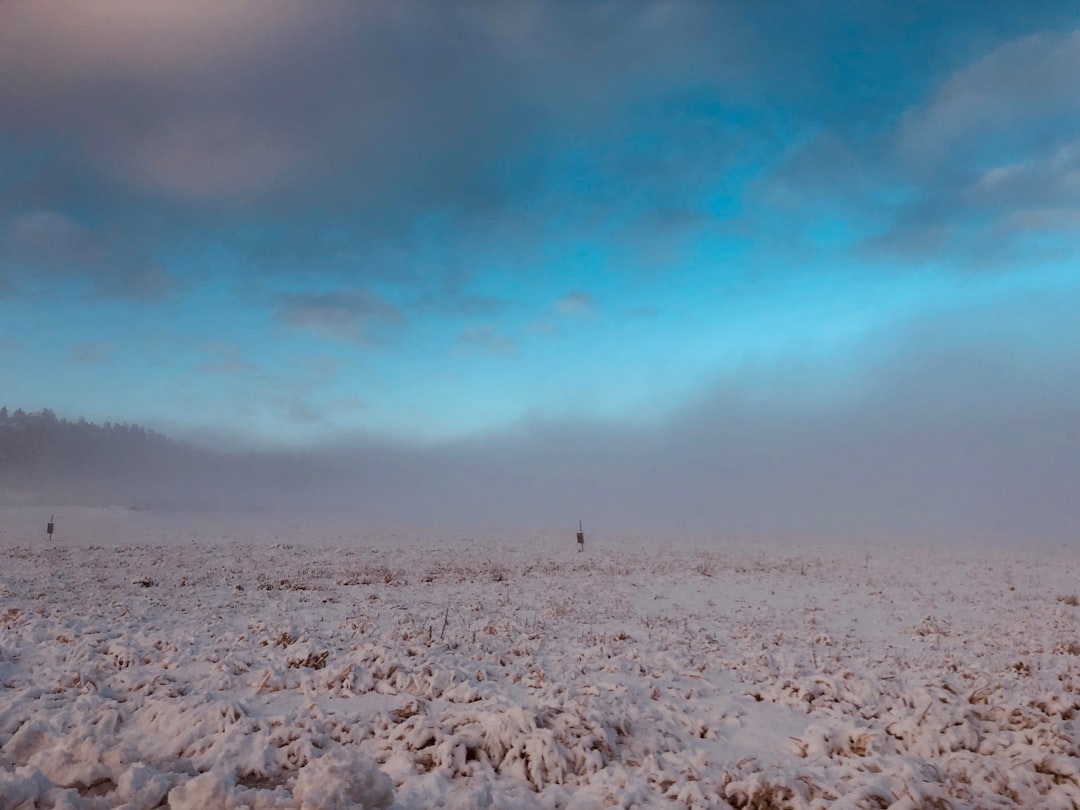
46 459
47 456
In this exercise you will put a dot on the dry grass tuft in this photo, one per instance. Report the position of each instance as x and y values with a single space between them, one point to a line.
310 661
706 567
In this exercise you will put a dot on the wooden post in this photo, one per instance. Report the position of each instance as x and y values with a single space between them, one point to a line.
50 527
580 537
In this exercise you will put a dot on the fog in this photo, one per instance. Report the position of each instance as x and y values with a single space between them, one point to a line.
952 431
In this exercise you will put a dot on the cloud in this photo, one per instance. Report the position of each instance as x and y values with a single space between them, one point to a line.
213 101
301 412
50 238
452 297
1066 220
377 141
149 86
51 245
228 360
486 338
986 146
576 303
912 243
88 354
544 328
463 304
329 137
992 107
356 315
1045 180
213 157
51 242
950 179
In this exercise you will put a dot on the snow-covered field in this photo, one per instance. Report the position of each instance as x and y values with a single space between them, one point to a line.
151 662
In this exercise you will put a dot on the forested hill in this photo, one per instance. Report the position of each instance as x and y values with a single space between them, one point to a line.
45 459
43 455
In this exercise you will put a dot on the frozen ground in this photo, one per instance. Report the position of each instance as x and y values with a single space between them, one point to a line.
150 662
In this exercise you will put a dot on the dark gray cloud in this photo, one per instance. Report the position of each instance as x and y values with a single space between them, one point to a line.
326 138
463 304
962 175
88 354
299 411
357 315
44 246
576 303
51 238
218 103
486 338
227 359
450 296
1049 180
989 107
318 137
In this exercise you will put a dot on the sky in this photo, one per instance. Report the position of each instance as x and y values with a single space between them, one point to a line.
824 250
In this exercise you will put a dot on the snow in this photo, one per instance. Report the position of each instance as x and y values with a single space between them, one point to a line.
171 661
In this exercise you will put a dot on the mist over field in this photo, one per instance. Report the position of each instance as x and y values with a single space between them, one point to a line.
953 442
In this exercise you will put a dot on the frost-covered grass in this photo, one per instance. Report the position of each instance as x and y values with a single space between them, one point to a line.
334 672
